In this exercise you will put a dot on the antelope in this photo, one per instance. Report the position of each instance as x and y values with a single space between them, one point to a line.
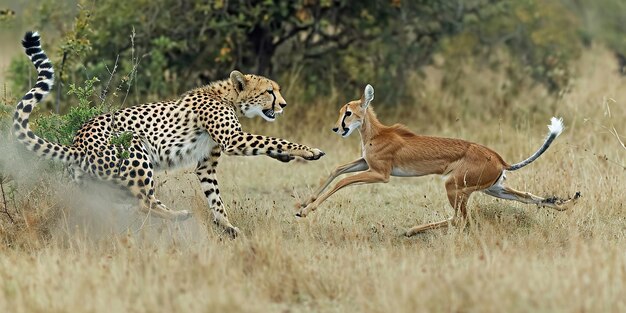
396 151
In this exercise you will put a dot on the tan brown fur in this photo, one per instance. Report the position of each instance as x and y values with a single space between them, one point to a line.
396 151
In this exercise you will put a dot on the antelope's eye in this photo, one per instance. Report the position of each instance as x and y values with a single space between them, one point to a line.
348 113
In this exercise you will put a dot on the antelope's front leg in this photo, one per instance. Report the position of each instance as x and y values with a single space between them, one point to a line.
362 178
248 144
354 166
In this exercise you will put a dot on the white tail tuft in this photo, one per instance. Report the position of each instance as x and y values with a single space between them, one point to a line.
556 126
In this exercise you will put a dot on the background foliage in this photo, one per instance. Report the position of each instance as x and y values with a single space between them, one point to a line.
326 46
131 52
487 71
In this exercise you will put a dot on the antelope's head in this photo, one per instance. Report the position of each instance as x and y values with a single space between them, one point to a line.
352 114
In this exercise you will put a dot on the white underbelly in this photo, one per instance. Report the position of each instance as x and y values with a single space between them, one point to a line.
202 147
401 172
188 154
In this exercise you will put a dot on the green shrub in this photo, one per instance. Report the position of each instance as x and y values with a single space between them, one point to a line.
326 46
62 128
122 142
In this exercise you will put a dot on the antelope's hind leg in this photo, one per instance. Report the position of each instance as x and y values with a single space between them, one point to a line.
458 199
459 187
499 190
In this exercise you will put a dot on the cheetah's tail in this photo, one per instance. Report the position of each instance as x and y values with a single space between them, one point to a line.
45 80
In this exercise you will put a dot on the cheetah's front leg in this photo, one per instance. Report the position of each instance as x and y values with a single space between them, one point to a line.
248 144
208 181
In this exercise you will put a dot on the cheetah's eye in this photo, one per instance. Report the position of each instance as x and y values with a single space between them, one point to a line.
270 91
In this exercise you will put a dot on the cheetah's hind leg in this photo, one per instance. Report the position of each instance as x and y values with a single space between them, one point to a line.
136 173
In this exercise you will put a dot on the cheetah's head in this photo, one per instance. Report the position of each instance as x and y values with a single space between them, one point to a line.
352 114
257 96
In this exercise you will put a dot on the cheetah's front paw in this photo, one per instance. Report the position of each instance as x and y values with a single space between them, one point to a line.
280 157
313 154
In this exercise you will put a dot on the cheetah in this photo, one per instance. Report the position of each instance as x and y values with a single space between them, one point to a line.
193 130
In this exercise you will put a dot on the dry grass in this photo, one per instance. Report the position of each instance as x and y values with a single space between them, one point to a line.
350 255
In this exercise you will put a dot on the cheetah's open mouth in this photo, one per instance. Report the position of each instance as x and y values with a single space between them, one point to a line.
269 113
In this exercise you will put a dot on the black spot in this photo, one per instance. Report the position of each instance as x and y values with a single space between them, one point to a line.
38 96
25 123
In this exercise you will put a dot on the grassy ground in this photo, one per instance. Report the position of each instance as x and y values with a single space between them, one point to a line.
99 256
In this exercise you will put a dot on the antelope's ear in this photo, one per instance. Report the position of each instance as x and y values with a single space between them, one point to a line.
368 96
238 80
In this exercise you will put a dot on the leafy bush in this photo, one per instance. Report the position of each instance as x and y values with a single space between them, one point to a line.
62 128
122 142
168 46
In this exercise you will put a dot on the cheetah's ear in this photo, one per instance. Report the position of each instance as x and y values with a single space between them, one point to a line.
368 96
238 80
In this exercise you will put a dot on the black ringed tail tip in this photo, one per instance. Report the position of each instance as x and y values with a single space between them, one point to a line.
31 40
